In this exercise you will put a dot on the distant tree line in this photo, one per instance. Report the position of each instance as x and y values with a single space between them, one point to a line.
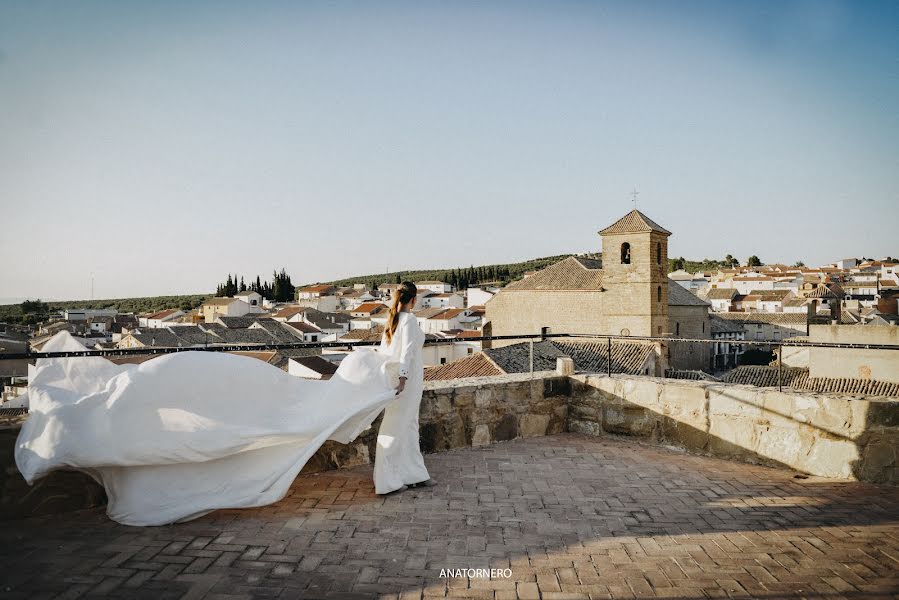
280 289
460 277
31 312
706 264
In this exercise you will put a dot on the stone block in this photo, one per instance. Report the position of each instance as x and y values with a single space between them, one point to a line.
731 437
506 429
530 425
484 397
684 435
779 443
587 427
481 435
879 461
464 397
628 420
640 391
735 401
685 403
830 457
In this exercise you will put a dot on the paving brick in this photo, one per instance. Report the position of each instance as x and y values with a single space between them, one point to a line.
572 516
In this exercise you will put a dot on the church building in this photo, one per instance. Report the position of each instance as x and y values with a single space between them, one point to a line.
627 293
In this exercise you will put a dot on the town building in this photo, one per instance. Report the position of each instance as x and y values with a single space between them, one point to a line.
627 293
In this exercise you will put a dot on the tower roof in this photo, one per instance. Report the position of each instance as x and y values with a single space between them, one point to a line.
634 222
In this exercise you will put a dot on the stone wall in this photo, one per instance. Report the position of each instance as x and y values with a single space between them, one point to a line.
521 312
857 363
689 322
59 491
819 434
468 412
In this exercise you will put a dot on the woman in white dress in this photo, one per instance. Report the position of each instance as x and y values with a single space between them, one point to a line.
398 460
183 434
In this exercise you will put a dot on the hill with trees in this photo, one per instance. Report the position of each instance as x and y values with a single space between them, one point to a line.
281 289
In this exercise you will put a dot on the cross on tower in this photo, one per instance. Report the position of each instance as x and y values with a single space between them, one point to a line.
634 197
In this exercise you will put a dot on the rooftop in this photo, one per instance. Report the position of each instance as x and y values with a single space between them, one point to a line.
634 222
570 515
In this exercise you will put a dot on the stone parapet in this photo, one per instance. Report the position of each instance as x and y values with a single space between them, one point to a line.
828 435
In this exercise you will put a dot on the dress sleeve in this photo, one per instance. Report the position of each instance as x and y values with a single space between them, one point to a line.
407 348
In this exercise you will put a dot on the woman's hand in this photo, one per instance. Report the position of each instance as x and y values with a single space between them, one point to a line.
401 386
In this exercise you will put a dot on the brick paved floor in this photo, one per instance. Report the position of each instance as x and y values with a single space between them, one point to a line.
572 516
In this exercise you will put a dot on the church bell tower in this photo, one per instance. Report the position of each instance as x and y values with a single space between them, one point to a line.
635 276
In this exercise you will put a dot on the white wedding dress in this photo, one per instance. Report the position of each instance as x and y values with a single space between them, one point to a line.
398 459
183 434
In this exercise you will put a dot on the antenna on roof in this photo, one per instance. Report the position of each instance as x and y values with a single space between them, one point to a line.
633 196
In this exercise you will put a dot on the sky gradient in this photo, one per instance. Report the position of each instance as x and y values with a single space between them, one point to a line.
161 146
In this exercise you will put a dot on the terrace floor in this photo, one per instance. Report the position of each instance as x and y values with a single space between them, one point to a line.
572 516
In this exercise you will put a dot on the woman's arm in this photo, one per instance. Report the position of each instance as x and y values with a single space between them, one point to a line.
407 353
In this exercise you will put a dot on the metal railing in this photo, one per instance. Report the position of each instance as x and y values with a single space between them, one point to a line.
545 334
251 347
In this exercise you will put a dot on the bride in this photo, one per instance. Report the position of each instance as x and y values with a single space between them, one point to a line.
184 434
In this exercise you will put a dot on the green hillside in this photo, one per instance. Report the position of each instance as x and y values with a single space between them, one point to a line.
461 277
35 311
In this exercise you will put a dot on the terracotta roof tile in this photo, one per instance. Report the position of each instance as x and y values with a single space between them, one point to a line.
363 335
785 319
476 365
303 327
634 222
369 307
798 379
627 357
318 364
572 273
721 294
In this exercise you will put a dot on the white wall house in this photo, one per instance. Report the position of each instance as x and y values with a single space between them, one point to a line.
477 296
353 299
745 285
444 300
82 314
100 324
307 332
846 263
223 307
434 320
323 303
254 299
160 319
438 287
315 291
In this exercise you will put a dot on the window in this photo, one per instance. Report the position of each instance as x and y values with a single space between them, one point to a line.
659 294
658 253
677 329
625 253
703 326
443 361
471 350
659 330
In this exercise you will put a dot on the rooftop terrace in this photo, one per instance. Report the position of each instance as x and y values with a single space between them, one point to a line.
571 516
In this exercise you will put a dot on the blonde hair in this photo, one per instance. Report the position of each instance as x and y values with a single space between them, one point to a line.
403 295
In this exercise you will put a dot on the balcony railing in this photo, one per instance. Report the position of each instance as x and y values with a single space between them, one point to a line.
531 338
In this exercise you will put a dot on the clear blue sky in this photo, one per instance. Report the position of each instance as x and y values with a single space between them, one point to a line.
161 145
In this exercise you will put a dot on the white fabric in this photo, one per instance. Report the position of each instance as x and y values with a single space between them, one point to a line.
398 459
182 434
